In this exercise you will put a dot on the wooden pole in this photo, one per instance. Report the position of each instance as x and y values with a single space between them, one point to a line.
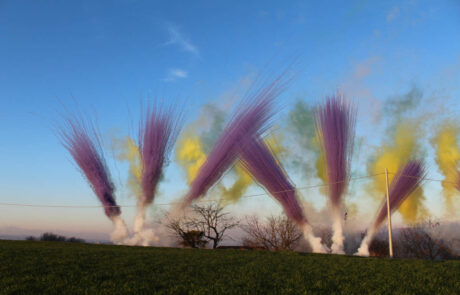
390 239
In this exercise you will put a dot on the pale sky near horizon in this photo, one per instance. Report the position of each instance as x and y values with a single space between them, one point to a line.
110 55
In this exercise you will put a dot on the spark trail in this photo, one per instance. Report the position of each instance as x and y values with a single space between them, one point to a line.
83 143
250 119
257 158
158 132
404 183
335 125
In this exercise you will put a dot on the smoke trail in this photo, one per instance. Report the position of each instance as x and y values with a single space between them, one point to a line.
83 143
158 131
335 123
263 165
250 119
448 157
243 179
405 182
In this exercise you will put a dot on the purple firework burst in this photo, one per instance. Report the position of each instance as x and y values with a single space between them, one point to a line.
157 134
251 119
84 145
262 164
335 124
406 180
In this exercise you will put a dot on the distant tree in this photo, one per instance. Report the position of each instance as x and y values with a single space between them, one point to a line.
31 238
420 241
193 239
277 233
50 237
210 221
186 234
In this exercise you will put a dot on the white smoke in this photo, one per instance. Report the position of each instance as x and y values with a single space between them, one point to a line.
139 219
142 235
145 237
120 231
363 250
314 241
337 233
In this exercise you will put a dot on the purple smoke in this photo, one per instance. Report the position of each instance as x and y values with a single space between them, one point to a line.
251 119
406 180
157 135
83 144
335 123
262 164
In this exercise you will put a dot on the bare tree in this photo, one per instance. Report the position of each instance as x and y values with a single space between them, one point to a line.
209 220
420 242
212 221
187 235
277 233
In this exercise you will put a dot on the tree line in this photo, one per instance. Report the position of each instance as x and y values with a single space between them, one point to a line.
206 226
50 237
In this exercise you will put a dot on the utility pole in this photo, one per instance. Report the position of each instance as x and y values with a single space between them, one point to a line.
390 239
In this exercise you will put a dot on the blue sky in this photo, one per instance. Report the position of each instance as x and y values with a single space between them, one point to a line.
109 55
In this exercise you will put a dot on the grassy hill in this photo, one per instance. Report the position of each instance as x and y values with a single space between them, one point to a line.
67 268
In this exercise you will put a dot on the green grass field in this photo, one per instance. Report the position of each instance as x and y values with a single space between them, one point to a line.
68 268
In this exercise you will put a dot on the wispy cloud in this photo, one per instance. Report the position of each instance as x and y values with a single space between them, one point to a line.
393 13
177 38
174 74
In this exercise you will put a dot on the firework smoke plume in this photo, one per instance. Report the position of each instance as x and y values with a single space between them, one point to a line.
250 119
404 183
262 164
335 123
83 143
158 131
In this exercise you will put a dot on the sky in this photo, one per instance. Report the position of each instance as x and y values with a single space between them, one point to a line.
105 57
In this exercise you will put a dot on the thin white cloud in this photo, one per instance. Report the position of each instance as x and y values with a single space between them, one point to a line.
177 38
174 74
393 13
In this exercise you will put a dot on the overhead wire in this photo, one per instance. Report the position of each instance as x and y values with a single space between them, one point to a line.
212 200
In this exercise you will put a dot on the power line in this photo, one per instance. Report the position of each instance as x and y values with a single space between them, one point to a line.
213 200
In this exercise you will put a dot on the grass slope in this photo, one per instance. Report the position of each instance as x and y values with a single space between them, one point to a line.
68 268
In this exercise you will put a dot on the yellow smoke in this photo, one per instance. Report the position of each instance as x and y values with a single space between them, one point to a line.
190 155
403 146
321 169
129 151
239 187
447 158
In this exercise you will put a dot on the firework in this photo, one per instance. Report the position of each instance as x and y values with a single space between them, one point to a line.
250 119
157 134
405 182
83 143
335 124
257 158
